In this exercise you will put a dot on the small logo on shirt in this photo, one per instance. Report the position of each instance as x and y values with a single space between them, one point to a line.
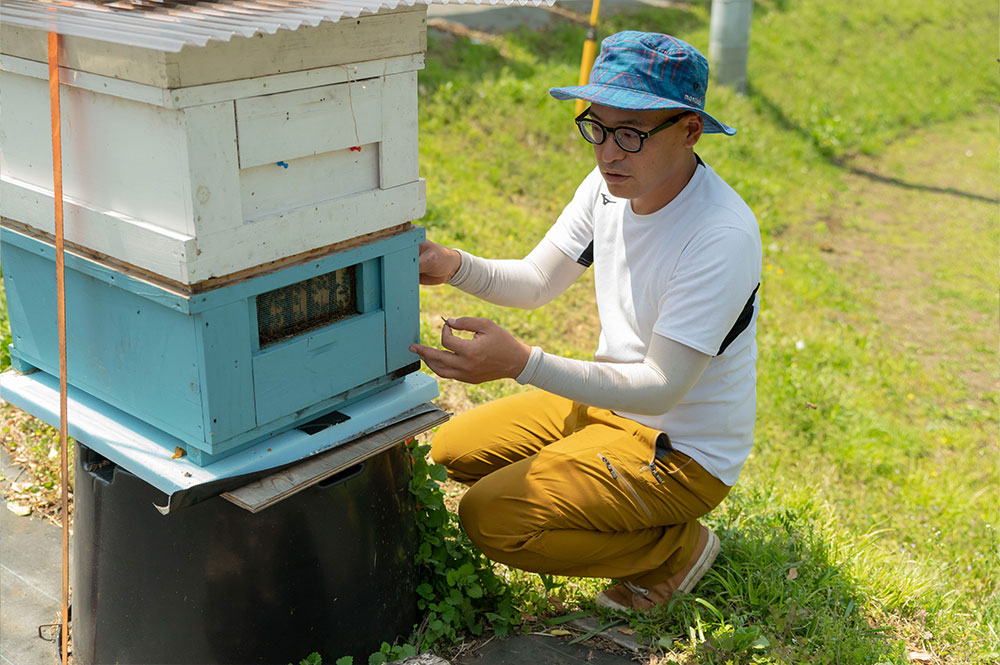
605 199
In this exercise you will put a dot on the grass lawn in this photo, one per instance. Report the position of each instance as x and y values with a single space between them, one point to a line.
863 529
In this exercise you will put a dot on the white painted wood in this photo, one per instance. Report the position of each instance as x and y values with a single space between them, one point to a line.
89 55
310 78
117 154
215 92
270 189
398 150
188 260
213 185
290 125
386 34
152 171
302 229
151 247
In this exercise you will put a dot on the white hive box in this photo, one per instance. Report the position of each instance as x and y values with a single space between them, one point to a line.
220 160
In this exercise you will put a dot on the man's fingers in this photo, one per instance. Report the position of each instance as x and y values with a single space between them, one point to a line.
471 323
451 341
441 362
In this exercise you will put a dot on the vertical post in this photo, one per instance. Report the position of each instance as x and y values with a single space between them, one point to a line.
57 196
729 42
589 51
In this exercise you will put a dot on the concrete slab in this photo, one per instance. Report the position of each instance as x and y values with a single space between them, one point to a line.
30 582
539 650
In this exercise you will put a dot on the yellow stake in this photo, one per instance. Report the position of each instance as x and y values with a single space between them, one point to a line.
589 51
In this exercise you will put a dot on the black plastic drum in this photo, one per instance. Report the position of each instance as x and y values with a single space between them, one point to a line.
329 569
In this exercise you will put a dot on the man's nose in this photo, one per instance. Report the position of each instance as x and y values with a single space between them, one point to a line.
610 151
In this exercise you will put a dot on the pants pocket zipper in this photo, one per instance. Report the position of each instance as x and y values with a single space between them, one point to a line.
626 484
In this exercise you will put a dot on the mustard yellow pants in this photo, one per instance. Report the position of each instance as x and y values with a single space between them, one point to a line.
562 488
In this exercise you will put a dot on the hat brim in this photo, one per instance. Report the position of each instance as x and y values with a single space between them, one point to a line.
632 100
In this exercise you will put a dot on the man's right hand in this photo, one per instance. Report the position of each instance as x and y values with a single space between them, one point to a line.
438 263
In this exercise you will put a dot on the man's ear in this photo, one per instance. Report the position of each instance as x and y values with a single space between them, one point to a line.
694 125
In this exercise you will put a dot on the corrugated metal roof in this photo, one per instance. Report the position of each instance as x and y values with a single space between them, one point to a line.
169 25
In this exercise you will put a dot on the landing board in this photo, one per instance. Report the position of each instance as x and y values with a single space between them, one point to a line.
148 452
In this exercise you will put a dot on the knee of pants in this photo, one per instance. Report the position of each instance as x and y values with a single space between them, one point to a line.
490 525
445 445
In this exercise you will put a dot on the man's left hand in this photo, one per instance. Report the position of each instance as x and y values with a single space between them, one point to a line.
492 353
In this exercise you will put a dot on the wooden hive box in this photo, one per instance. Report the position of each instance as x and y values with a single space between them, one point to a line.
223 159
237 215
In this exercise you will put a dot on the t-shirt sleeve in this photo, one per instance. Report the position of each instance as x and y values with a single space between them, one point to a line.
573 232
708 291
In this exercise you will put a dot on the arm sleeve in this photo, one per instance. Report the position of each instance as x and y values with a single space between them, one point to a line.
652 387
527 283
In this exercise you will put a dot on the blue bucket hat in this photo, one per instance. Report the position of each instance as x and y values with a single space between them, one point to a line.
642 71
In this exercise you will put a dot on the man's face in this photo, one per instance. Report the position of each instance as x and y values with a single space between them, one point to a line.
652 177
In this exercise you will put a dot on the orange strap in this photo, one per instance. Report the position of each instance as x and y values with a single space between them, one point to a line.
57 196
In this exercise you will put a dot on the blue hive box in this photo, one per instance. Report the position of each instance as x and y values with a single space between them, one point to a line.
224 368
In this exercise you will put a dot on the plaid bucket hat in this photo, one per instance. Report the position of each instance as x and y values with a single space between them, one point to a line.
642 71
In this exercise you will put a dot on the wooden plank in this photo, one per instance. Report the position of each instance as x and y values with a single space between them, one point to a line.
398 161
269 189
149 247
86 263
294 231
138 92
292 375
262 246
134 354
387 34
226 372
213 93
370 285
310 78
401 280
316 257
280 128
90 55
117 154
269 280
213 185
260 494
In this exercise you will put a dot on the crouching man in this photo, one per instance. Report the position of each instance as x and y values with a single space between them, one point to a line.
605 471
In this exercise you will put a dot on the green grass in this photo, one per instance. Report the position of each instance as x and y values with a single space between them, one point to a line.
875 470
874 476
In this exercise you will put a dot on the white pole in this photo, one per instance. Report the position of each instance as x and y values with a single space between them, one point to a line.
729 42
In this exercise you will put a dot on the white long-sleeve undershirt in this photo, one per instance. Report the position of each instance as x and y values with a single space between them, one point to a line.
650 387
526 283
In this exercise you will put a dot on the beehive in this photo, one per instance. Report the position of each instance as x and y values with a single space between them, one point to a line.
237 214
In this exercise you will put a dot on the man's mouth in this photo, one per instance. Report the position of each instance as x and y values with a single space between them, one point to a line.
612 177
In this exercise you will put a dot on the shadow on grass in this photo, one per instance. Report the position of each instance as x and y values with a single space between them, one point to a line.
769 108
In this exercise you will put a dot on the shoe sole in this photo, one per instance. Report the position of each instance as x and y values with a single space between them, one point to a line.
704 562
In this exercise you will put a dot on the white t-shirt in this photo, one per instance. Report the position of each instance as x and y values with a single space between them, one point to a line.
686 272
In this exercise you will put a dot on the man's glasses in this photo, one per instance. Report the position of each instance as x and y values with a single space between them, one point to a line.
628 139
